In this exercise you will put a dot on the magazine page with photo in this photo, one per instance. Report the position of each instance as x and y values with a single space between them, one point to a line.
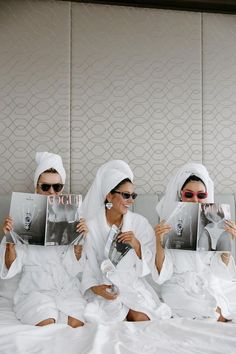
199 227
211 234
184 227
45 220
28 212
62 217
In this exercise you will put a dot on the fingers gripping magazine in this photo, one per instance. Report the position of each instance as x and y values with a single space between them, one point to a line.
44 220
199 227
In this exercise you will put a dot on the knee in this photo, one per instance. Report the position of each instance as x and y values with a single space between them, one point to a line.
137 316
74 323
46 322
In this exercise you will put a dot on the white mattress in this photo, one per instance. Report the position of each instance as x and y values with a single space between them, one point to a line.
170 336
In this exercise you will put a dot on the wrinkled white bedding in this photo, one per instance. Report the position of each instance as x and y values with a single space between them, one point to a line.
168 336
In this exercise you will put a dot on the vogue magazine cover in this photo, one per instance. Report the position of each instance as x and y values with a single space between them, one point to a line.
44 220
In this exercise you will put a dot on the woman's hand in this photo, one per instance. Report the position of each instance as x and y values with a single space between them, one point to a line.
231 228
8 225
78 251
81 227
103 290
161 230
128 237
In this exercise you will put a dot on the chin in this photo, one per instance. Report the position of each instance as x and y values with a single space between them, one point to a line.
125 210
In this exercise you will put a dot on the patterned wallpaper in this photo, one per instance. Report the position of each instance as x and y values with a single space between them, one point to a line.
98 82
34 87
136 91
219 92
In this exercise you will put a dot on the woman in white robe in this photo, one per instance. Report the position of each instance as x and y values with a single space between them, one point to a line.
191 281
49 289
116 292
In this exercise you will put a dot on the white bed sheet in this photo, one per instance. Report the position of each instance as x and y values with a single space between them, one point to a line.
172 336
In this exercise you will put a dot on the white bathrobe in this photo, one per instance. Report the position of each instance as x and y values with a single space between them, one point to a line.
134 291
191 283
49 287
194 283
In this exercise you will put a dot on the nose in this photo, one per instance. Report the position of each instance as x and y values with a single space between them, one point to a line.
195 199
51 191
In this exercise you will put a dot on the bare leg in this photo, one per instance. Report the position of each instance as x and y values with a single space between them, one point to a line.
46 322
73 322
137 316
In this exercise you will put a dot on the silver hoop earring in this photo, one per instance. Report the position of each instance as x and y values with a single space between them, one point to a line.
109 205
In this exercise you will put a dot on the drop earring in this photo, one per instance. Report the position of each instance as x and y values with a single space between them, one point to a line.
109 205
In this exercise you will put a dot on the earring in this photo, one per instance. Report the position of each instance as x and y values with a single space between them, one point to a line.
109 205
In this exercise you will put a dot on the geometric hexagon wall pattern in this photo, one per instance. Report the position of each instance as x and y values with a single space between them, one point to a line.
96 82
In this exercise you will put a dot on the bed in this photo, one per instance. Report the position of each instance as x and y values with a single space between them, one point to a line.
176 335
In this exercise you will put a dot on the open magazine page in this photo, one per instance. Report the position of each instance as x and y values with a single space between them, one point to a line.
184 223
199 227
28 212
211 234
61 219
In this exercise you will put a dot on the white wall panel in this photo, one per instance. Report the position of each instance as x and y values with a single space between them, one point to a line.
34 87
219 92
136 91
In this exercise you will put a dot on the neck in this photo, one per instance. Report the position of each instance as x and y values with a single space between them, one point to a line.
113 218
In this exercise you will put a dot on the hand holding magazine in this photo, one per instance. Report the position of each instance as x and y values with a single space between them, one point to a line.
45 220
199 227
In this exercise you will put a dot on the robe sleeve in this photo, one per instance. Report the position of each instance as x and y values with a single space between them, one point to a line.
220 269
16 266
92 274
146 237
70 262
166 270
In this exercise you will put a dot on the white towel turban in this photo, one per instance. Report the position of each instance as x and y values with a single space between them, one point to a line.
165 206
45 161
108 176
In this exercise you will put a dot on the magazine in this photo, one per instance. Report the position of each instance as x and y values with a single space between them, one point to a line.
117 250
198 227
44 220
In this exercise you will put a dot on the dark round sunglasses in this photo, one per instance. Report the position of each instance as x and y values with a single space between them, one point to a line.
57 187
189 194
126 195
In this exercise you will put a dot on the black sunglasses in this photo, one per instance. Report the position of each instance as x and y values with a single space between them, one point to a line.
126 195
57 187
190 194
